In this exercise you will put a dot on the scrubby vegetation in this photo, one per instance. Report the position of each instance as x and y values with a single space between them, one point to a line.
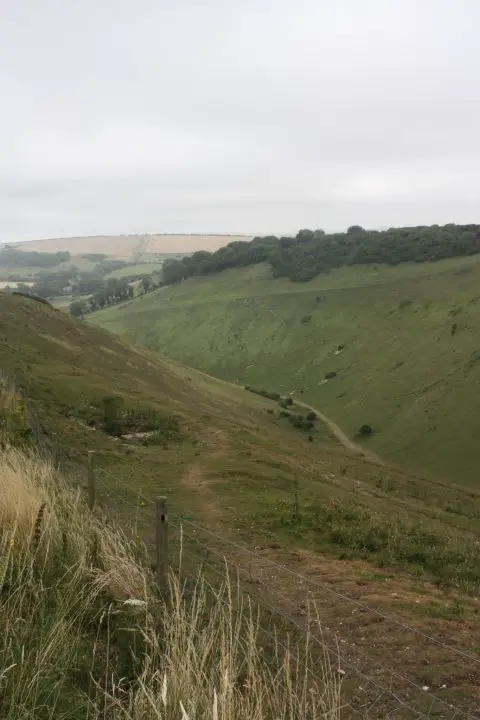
112 416
313 252
11 258
84 632
354 530
264 393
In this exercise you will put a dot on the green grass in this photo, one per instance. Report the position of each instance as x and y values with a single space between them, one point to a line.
225 458
146 268
85 634
232 453
409 363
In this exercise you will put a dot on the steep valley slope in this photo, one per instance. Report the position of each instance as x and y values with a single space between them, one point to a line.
231 462
396 348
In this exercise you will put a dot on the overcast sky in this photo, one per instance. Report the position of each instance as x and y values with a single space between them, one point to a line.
237 115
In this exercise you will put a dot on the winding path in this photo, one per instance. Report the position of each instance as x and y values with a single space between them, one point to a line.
341 436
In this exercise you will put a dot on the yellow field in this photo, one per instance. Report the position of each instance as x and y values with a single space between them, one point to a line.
130 246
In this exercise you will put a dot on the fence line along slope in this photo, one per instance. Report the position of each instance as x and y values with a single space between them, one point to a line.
234 461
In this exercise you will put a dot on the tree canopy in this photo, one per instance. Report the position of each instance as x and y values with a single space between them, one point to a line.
312 252
11 258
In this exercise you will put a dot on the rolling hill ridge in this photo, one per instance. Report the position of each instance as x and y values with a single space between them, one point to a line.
257 471
396 348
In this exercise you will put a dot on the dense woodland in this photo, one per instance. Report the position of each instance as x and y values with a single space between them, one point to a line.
11 258
313 252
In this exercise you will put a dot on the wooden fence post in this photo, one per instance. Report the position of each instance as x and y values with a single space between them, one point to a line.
91 479
161 521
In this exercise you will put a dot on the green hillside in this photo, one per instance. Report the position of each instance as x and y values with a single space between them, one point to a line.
403 342
236 463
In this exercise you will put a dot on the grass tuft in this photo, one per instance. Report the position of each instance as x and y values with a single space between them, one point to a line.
85 634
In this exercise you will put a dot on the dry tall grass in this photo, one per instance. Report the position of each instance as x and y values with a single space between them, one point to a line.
84 633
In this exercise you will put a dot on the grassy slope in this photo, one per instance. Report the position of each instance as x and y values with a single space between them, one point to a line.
401 370
236 469
234 457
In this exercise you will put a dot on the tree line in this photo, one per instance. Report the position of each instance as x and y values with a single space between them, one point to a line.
312 252
116 290
11 258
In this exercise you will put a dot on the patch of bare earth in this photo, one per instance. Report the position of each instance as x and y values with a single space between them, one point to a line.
402 650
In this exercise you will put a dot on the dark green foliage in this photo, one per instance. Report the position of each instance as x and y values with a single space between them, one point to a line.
305 320
311 253
105 266
111 411
95 257
330 375
78 308
312 416
264 393
11 258
453 329
297 420
365 431
144 422
286 402
300 422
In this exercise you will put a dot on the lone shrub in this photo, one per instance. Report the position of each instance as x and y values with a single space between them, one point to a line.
365 431
312 416
306 319
286 402
330 375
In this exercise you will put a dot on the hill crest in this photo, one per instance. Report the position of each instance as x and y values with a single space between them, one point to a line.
129 246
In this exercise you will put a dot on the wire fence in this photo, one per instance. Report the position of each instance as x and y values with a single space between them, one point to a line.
360 641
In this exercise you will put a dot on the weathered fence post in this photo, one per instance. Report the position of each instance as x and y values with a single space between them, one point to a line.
91 479
161 521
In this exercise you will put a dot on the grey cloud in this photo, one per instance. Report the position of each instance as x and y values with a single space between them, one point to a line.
227 116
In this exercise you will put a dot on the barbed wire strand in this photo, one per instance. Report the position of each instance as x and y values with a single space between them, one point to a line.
322 586
275 612
359 651
328 589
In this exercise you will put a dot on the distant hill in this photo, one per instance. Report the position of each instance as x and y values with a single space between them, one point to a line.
395 347
129 247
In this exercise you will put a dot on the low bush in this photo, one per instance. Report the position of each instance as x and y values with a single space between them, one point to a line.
111 415
264 393
365 431
297 420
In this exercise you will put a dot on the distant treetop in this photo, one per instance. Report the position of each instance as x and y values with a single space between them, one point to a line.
312 252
